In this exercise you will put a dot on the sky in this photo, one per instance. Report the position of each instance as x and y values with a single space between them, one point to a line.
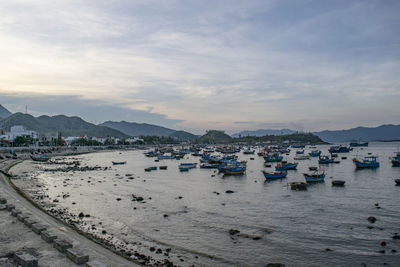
197 65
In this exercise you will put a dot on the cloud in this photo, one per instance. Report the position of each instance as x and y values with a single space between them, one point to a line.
196 62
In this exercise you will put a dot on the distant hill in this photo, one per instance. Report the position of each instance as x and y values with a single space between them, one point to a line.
144 129
214 137
295 138
50 126
264 132
4 113
387 132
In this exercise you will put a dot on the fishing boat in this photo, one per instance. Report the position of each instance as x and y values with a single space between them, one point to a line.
233 170
358 144
325 160
339 149
298 186
209 166
118 162
338 183
274 175
273 158
317 176
161 157
313 168
248 152
188 165
315 153
302 157
183 169
369 162
300 152
287 166
163 167
41 158
396 160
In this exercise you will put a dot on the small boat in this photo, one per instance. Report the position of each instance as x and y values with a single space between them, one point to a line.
343 157
396 160
287 166
339 149
209 166
188 165
163 167
314 177
248 152
118 162
274 175
334 155
273 158
147 169
302 157
312 168
338 183
367 163
234 171
325 160
153 168
315 153
299 186
41 158
183 169
358 144
299 152
397 181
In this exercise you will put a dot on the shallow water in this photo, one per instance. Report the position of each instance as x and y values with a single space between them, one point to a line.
294 227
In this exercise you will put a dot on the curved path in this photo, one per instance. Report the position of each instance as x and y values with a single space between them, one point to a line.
21 237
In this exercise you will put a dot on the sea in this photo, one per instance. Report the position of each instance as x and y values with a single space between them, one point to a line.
191 215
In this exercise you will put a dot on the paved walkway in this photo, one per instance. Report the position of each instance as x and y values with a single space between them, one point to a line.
16 236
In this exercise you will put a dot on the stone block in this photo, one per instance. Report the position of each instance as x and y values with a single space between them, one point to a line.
62 245
29 221
3 207
76 256
48 236
95 264
3 200
10 207
38 228
21 217
25 259
15 212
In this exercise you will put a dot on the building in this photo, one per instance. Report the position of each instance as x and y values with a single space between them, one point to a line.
16 131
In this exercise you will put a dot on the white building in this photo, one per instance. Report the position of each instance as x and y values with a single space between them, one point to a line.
16 131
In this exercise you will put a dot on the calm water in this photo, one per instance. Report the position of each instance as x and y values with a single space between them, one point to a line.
295 227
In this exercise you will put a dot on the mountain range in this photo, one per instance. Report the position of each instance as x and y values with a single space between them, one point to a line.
4 113
138 129
263 132
386 132
51 126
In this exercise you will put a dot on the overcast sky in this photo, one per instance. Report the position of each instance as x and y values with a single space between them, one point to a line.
197 65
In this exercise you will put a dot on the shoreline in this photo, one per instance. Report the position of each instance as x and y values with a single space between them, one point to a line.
135 258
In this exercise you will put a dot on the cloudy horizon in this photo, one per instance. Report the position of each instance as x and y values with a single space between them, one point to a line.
198 65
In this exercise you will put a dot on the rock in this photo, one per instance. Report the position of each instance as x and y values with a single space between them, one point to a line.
104 232
275 265
396 236
152 249
10 207
3 200
77 256
25 259
383 243
234 232
371 219
81 215
15 212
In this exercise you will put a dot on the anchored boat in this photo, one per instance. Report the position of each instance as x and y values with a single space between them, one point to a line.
369 162
317 176
274 175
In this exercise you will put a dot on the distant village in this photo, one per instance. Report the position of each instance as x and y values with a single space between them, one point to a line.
18 136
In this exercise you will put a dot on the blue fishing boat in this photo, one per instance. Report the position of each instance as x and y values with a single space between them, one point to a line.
161 157
233 170
286 166
367 163
209 166
273 158
325 160
248 152
339 149
299 152
119 162
314 177
396 160
274 175
183 169
358 144
315 153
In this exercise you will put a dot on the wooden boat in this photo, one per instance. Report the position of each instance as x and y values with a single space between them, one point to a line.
302 157
41 158
188 165
287 166
314 177
234 170
299 186
338 183
118 162
274 175
367 163
147 169
163 167
325 160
